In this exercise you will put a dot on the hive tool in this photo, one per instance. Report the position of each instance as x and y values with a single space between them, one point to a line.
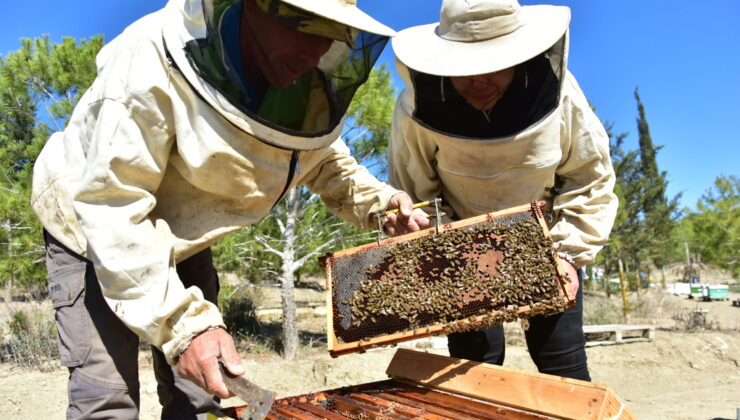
259 400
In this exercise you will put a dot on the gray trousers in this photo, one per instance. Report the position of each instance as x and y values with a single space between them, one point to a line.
101 353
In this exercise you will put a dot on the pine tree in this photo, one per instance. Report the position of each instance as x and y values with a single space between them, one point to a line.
625 234
641 235
39 85
713 230
657 213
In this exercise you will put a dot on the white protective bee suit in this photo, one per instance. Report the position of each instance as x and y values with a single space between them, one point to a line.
538 140
159 161
562 158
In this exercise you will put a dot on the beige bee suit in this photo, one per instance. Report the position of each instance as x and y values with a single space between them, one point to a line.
156 165
569 147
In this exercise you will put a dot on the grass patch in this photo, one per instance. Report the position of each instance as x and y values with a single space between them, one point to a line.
600 310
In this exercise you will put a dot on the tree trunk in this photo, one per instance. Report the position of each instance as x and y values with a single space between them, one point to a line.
605 280
623 289
287 273
662 278
290 326
10 280
8 290
638 280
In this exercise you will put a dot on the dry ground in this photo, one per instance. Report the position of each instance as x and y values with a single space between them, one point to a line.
679 375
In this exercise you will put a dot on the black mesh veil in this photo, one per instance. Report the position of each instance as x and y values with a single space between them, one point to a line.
313 105
533 94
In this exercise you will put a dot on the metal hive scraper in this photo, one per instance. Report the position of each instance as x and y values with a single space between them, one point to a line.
259 400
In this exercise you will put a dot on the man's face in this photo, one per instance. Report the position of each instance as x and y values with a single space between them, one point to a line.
282 53
482 91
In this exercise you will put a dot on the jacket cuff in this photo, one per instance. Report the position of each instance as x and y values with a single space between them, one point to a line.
380 205
200 317
566 257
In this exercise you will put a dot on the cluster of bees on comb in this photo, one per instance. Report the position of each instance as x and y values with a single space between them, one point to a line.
466 279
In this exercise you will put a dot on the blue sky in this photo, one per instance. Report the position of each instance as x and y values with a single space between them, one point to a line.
684 56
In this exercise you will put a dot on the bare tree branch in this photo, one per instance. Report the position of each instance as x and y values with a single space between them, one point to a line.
267 246
362 133
9 190
280 224
40 86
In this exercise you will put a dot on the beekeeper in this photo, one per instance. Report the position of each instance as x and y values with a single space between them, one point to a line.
490 118
202 116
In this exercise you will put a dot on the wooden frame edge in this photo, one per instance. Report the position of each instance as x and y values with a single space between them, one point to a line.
340 349
331 338
500 385
432 230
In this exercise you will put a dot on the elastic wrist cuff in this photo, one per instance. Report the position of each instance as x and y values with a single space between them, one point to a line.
180 353
568 258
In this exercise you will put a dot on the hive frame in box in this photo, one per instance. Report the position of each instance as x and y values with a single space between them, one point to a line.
435 387
336 348
537 393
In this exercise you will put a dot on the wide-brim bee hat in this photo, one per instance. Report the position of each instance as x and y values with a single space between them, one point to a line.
481 36
345 12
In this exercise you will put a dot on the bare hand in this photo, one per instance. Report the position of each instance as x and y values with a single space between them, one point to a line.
572 273
199 362
407 219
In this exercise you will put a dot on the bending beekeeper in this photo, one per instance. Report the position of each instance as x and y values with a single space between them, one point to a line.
202 116
490 118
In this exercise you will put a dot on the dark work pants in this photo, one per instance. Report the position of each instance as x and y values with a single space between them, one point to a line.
556 343
101 353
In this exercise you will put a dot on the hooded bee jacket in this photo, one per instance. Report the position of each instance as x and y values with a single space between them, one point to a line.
561 157
156 165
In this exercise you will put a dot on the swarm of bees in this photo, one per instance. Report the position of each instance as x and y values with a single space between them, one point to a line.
452 276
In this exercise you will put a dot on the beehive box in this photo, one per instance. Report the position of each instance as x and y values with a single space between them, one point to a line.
718 292
474 273
429 386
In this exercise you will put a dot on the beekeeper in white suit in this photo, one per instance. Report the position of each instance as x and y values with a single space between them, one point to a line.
490 118
202 116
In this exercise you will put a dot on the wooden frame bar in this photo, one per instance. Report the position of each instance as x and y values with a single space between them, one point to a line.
535 392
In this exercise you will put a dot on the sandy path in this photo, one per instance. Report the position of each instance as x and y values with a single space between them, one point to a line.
677 376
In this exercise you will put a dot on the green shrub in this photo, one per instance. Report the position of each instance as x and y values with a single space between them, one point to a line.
238 307
694 320
31 342
19 324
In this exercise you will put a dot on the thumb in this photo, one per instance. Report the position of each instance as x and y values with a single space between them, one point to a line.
230 357
405 205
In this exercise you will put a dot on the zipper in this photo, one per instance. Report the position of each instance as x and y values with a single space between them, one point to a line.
294 168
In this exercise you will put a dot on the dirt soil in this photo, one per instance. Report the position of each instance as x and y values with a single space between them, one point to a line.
679 375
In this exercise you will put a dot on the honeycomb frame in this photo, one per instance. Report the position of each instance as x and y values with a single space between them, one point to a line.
391 333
